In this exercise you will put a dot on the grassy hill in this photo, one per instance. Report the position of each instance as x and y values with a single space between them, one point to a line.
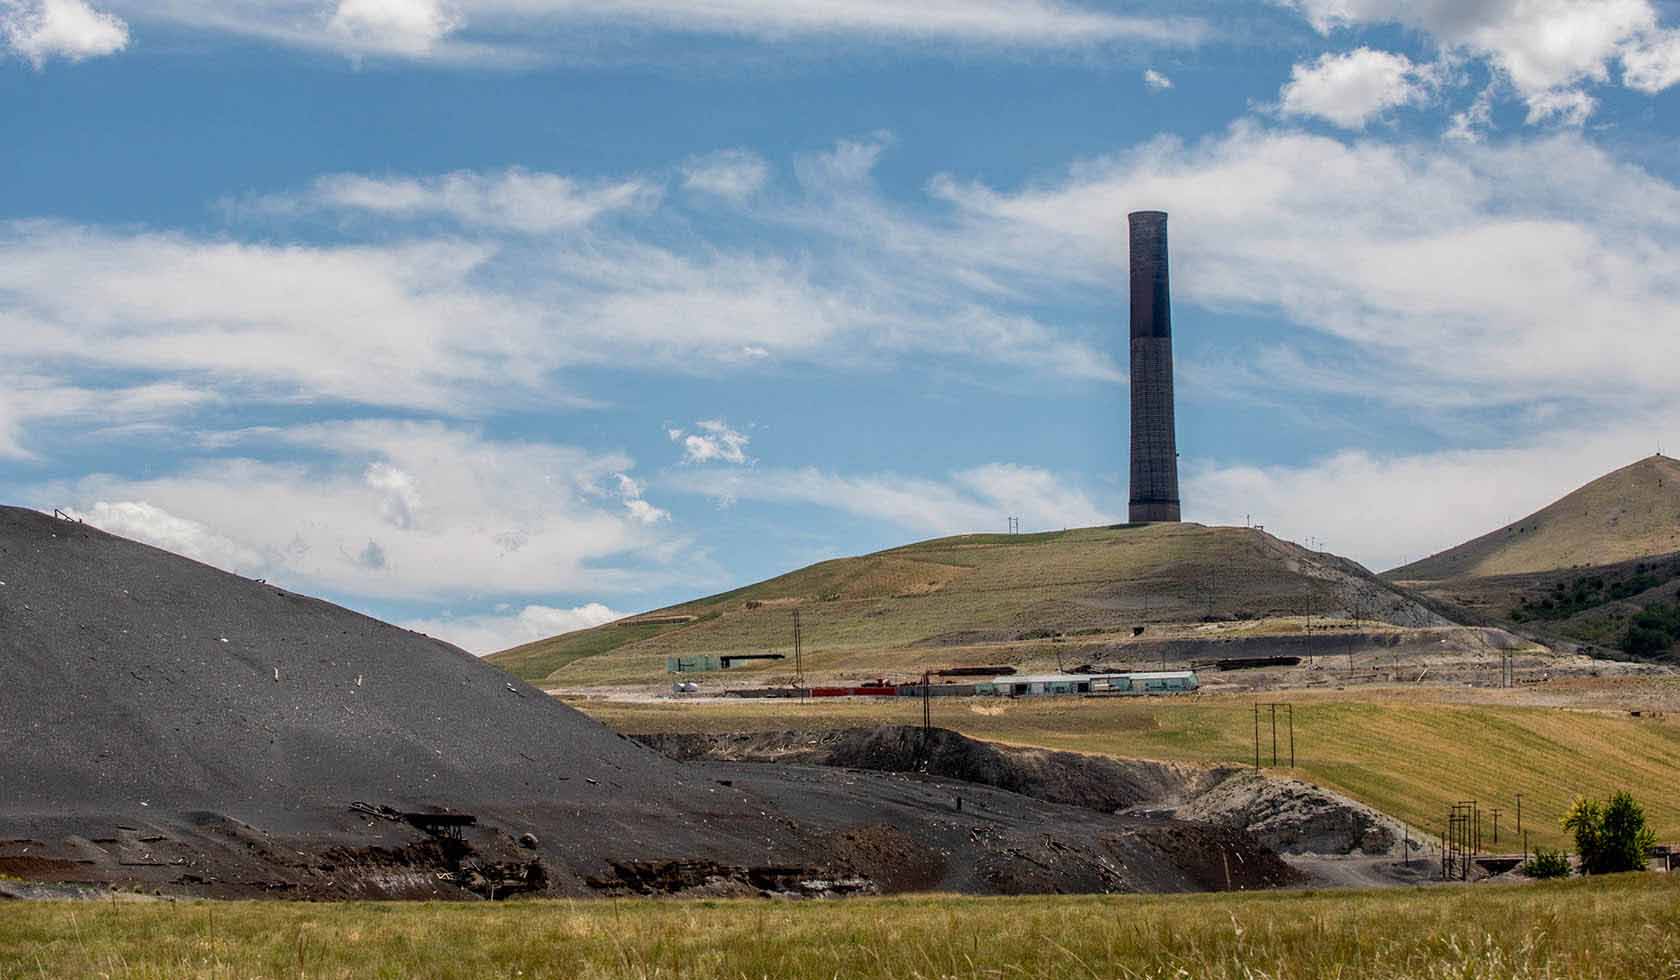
1591 567
1629 514
1089 584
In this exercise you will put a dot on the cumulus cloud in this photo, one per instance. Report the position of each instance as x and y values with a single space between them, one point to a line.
731 174
1352 88
1545 49
714 442
488 633
1155 81
1569 107
151 524
410 27
630 491
39 30
1652 63
977 499
409 511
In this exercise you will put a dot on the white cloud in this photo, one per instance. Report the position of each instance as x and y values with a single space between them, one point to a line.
977 499
27 399
630 491
731 174
1463 268
494 314
523 31
150 524
1545 49
1469 125
1350 89
412 511
38 30
715 442
1568 107
1155 81
1388 509
1652 63
489 633
409 27
514 200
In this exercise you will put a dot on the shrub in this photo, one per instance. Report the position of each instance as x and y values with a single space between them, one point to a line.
1547 863
1610 837
1653 631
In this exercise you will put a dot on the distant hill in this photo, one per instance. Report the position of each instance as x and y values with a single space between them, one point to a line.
986 589
1629 514
1599 567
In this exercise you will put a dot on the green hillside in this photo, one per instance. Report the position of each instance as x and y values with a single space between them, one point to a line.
985 589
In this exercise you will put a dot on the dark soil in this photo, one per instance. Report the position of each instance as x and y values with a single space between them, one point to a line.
170 728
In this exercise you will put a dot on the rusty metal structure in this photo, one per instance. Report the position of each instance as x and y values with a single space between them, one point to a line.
1154 493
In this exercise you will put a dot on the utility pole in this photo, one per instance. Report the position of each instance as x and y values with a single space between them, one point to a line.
798 657
1257 736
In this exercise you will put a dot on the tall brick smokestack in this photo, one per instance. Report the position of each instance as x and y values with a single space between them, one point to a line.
1154 442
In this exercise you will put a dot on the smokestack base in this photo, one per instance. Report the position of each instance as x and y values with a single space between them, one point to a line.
1163 512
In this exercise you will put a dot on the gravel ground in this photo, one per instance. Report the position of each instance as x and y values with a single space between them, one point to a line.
171 728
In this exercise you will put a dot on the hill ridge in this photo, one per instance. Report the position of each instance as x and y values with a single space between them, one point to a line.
978 588
1630 513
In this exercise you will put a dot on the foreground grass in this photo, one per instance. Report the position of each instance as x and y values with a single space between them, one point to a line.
1627 926
1412 760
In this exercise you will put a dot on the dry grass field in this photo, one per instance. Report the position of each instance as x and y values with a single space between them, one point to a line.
1406 752
1595 929
979 589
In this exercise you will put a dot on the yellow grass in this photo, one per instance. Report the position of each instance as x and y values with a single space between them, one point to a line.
1625 926
879 605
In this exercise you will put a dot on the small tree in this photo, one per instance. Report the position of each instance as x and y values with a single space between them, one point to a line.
1610 837
1547 863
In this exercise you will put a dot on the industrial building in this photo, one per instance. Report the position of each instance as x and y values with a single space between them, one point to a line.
1150 682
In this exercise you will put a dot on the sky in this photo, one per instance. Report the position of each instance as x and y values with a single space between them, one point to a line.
500 318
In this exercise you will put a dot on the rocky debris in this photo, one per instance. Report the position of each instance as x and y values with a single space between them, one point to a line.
1294 817
1288 815
1094 782
708 878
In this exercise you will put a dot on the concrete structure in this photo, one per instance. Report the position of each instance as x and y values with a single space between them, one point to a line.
1154 440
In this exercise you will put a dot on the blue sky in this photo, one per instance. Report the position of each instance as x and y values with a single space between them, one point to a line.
500 317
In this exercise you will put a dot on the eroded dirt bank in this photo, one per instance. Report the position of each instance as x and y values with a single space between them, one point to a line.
1287 815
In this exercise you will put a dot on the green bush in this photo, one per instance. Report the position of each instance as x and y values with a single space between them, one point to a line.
1653 632
1547 863
1610 837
